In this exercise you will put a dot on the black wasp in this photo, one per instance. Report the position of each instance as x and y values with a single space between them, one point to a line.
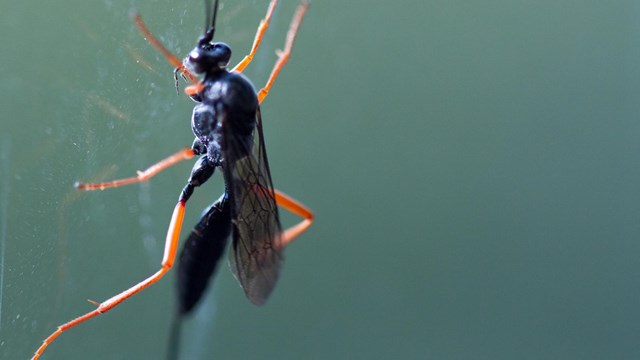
227 126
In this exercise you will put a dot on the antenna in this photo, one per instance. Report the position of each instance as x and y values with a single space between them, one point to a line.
207 11
208 34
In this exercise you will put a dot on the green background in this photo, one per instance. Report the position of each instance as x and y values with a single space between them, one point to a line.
473 166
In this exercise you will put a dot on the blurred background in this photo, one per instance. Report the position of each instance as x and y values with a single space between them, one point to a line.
473 167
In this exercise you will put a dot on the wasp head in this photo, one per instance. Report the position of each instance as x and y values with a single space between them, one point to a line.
208 57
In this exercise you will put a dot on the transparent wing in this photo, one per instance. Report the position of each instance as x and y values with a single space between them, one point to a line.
255 259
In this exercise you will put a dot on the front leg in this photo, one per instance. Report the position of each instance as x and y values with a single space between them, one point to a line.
264 24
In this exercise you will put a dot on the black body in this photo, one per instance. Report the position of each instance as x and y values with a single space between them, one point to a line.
228 129
201 254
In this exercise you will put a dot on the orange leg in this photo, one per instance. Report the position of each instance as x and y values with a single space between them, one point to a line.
170 250
194 89
154 169
264 24
283 55
297 208
173 60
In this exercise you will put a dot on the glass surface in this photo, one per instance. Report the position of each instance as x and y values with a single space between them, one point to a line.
473 168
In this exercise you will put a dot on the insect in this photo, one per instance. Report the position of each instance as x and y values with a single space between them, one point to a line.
227 125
